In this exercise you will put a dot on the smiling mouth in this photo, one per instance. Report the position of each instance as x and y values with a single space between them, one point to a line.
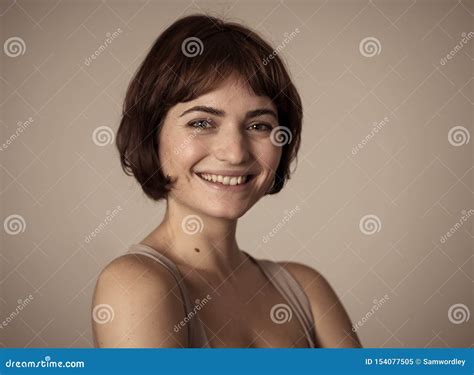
227 180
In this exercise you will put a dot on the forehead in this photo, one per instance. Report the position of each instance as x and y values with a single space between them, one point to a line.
232 95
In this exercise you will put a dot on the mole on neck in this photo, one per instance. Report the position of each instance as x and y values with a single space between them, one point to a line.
197 250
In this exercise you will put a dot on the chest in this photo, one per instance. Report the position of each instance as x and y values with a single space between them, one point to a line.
247 312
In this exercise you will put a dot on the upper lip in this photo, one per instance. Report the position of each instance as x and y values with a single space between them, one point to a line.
227 173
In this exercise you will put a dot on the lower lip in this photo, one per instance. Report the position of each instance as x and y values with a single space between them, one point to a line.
222 187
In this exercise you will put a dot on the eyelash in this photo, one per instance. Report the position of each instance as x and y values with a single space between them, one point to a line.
193 124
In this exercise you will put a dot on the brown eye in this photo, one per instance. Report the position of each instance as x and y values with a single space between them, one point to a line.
200 124
261 127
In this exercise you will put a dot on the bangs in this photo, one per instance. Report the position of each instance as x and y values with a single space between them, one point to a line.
224 55
193 57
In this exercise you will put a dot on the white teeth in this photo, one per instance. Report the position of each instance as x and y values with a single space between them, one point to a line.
225 180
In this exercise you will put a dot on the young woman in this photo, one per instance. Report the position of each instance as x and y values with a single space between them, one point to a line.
211 123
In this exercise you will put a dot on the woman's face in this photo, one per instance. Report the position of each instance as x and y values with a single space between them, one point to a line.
226 132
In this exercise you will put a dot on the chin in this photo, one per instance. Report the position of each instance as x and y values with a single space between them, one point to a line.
225 211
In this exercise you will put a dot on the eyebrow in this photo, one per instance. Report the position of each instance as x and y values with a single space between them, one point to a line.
221 113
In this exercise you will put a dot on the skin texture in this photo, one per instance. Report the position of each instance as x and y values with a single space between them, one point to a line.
144 296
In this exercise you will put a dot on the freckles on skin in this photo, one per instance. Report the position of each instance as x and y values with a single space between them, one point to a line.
269 156
190 150
175 148
179 150
178 161
182 148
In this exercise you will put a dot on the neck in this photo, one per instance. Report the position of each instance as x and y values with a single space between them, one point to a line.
197 240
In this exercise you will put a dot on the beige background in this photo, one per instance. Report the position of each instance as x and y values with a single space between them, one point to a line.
414 175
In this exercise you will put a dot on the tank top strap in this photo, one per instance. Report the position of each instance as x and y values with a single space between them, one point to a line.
293 293
196 334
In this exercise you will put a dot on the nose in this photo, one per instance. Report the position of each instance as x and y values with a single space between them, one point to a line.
231 145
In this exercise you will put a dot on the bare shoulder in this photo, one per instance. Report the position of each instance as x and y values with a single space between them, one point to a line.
332 323
137 303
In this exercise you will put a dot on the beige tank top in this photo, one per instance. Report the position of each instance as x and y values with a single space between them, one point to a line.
288 287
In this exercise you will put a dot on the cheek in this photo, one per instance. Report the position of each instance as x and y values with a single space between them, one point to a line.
269 156
179 153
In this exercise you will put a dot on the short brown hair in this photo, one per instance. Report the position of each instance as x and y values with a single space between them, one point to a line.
170 74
